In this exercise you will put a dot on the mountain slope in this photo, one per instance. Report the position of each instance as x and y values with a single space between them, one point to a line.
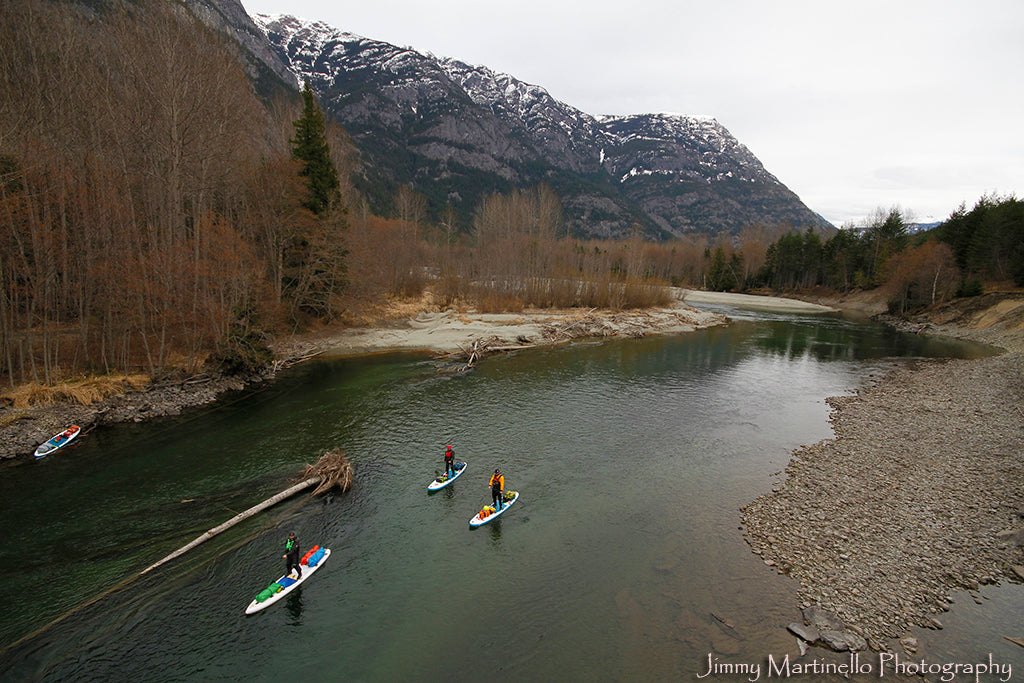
459 132
265 68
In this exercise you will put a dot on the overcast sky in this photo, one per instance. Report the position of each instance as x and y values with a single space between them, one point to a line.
854 106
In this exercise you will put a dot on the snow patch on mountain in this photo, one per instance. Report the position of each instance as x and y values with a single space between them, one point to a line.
446 120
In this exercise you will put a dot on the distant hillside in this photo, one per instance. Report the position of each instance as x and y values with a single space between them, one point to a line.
459 133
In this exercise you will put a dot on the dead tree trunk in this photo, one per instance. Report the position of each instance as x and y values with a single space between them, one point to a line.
333 469
287 493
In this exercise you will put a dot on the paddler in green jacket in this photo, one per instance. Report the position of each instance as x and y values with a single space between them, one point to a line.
291 554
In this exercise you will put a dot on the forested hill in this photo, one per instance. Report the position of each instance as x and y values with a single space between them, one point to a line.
458 133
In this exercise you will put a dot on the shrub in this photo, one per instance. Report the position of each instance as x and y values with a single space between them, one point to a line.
972 286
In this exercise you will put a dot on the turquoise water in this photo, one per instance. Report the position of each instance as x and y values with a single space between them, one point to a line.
623 559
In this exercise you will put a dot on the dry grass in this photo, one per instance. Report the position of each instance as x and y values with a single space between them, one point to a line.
603 293
367 313
498 302
82 391
9 418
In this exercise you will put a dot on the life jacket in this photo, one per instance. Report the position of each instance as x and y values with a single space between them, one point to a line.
499 480
291 544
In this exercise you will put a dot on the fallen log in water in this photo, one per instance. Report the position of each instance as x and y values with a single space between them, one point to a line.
333 469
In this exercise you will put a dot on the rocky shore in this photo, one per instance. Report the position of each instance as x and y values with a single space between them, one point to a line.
23 430
918 494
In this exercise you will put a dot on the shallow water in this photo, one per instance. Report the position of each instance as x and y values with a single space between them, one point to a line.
623 559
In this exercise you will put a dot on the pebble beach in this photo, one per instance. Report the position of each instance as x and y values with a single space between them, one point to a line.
917 495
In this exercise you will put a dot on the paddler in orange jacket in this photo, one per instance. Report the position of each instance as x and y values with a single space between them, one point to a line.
497 488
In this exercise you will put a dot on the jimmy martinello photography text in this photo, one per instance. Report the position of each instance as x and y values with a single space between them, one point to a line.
884 665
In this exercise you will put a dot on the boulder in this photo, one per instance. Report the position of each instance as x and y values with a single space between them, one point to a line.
822 619
841 641
806 633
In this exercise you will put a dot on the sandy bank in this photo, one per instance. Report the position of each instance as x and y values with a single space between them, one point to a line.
451 330
764 303
444 331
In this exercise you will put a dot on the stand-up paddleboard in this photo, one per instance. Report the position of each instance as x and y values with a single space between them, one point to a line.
286 584
488 513
59 441
444 479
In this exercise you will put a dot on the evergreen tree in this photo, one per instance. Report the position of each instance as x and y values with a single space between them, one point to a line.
310 147
812 259
887 236
988 240
844 257
722 272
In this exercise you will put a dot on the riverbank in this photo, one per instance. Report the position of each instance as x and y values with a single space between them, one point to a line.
450 330
917 495
418 326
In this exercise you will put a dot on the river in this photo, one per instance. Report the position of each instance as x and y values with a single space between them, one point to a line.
623 559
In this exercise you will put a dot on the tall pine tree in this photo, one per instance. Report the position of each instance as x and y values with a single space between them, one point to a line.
310 147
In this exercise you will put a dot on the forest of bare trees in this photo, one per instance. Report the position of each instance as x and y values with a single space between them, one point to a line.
156 215
148 200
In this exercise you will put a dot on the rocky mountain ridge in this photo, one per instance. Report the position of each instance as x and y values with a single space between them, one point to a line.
458 132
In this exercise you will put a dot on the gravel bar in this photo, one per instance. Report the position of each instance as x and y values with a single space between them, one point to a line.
919 493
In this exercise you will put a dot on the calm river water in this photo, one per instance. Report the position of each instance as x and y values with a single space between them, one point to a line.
623 559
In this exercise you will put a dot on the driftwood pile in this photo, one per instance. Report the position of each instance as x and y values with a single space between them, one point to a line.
466 357
584 326
590 325
298 353
332 470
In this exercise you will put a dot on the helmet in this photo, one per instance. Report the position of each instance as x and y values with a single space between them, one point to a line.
497 471
291 535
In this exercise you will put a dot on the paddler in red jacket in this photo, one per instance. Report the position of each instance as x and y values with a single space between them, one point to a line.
449 462
497 488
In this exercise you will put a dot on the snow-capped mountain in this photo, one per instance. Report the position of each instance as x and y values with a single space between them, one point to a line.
458 132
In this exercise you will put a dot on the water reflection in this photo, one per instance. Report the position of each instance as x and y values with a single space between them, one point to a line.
837 340
840 336
293 603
